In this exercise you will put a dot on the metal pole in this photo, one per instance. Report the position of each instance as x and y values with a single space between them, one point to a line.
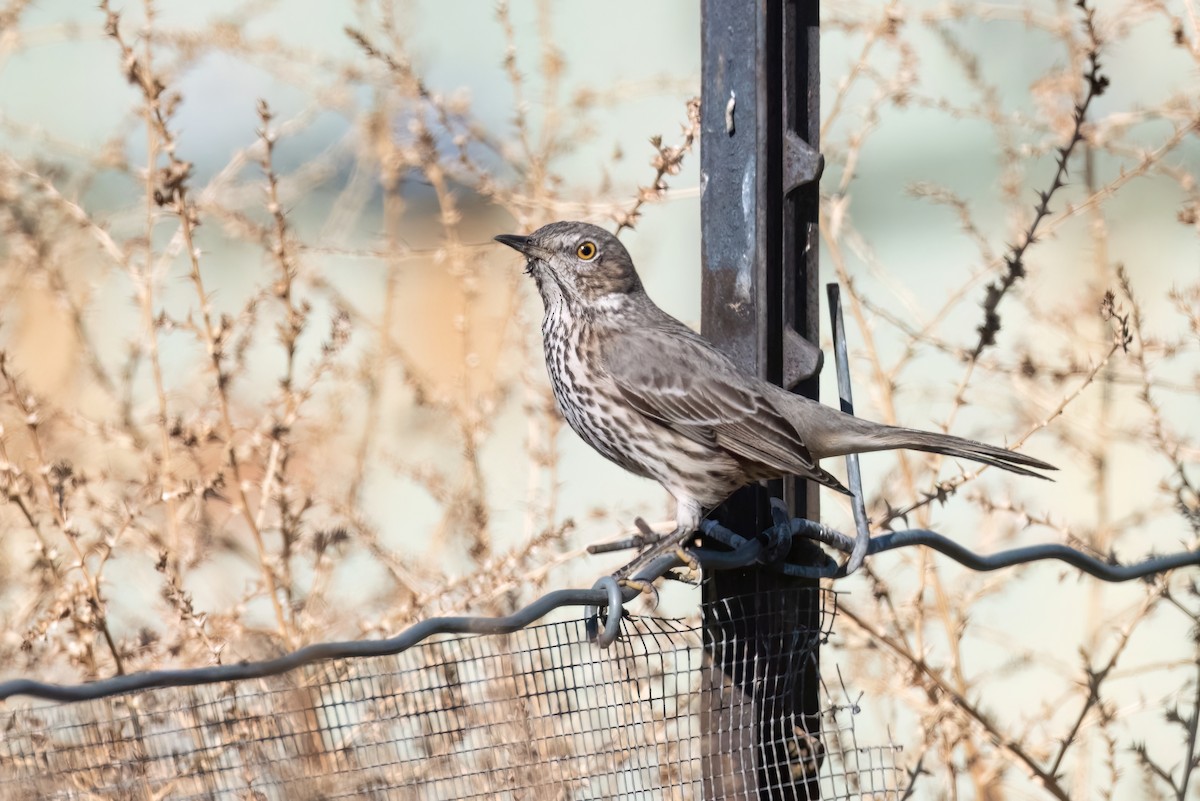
760 305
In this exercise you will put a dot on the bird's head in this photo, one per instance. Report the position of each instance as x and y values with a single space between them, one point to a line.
577 262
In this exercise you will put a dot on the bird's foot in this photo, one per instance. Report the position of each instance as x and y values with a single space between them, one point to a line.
646 588
688 558
667 545
637 585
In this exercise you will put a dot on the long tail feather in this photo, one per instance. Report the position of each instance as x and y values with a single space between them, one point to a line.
829 432
890 438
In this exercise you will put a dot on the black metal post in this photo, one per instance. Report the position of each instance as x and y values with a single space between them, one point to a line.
760 124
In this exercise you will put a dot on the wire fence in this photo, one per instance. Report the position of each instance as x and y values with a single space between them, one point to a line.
538 713
472 707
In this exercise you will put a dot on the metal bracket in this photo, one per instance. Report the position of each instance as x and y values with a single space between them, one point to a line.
801 359
802 164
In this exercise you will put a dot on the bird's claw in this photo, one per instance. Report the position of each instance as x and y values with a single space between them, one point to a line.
683 577
688 558
644 587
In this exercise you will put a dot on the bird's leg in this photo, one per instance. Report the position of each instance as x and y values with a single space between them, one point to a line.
688 514
671 543
647 587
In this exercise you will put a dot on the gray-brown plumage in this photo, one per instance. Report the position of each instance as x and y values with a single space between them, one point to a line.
653 396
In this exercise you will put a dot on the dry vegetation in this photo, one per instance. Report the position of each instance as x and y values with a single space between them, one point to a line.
285 398
1022 688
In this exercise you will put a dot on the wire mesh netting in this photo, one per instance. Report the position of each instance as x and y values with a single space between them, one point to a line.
539 713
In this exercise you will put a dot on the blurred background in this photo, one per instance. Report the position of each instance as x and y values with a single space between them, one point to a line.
267 380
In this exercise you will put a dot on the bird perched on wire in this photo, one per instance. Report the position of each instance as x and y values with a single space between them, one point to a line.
653 396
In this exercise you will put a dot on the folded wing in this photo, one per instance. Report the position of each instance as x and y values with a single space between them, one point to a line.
674 377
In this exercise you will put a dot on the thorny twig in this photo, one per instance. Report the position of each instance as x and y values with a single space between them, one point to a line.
1188 721
666 162
1014 261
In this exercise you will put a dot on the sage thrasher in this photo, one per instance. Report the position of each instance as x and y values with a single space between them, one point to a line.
653 396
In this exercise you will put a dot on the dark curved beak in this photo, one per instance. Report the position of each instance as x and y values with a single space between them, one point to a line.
517 243
524 245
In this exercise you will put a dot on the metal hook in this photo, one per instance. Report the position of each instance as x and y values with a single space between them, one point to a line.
612 624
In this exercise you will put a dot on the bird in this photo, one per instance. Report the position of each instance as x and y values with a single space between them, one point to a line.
650 394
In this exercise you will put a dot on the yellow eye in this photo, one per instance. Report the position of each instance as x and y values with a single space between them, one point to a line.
586 250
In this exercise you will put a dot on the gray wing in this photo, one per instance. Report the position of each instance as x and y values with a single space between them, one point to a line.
676 378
